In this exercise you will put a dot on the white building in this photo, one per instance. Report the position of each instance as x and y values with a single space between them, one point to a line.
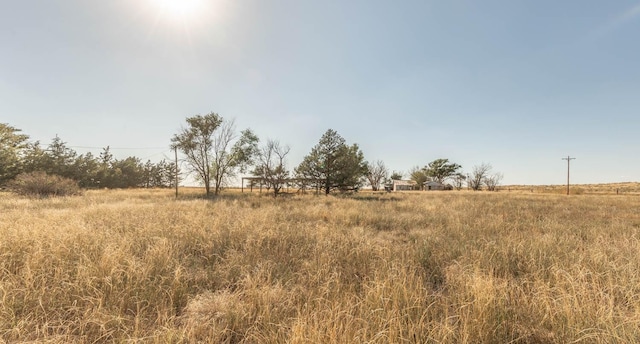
404 185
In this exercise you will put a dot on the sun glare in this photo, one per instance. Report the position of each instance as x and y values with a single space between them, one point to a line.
180 8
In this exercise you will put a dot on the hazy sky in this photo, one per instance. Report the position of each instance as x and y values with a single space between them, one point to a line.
517 84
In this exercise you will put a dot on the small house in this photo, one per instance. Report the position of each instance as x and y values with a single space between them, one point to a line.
404 185
432 185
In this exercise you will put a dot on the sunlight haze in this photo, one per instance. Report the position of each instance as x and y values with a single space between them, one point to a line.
519 85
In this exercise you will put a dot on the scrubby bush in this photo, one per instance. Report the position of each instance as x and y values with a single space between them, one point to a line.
41 184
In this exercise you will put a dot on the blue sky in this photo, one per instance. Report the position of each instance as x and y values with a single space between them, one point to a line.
517 84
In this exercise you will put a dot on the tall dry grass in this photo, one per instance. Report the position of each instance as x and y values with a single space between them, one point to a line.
445 267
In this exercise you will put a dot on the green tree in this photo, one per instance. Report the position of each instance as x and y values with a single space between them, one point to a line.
34 158
166 174
396 176
59 159
128 173
196 143
333 165
12 149
206 143
159 175
418 175
86 170
105 177
441 169
56 159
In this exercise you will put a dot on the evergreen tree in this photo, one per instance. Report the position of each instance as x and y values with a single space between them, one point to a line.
12 149
333 165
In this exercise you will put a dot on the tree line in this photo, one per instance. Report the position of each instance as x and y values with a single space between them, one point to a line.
215 153
18 155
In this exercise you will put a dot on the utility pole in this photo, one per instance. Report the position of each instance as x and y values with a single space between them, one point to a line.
568 158
175 149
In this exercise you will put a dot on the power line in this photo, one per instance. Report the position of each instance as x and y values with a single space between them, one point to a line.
118 148
110 148
155 154
164 149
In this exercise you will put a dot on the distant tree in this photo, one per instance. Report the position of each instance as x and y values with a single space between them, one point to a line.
478 176
105 157
105 175
196 142
128 173
165 177
61 159
333 165
207 145
227 158
86 170
56 159
458 180
271 166
351 177
377 173
34 158
395 175
492 181
418 175
441 169
149 174
159 175
12 149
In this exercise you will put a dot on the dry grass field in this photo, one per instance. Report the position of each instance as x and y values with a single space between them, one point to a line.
628 188
442 267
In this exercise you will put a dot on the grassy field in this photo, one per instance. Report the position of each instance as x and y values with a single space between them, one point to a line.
629 188
443 267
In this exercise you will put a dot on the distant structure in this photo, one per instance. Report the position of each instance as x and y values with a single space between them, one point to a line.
433 185
301 184
404 185
411 185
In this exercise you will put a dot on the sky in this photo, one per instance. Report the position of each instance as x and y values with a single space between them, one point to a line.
516 84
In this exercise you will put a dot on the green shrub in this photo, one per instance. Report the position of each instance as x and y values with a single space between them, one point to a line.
43 185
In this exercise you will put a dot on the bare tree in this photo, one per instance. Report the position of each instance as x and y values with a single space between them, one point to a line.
376 174
271 166
478 176
227 159
492 181
458 180
221 164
